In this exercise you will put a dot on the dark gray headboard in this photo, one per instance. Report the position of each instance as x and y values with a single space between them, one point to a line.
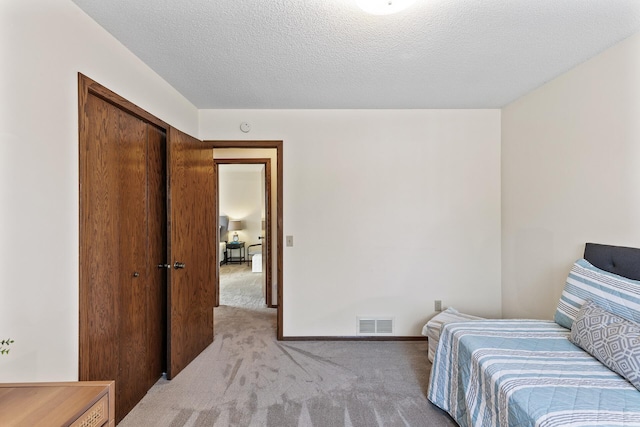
619 260
224 224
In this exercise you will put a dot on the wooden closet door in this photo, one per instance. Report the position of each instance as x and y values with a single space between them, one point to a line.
99 241
120 293
192 241
134 275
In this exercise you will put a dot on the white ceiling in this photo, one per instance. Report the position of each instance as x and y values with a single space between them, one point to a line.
330 54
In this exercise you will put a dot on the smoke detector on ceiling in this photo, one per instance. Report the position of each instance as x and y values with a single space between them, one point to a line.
383 7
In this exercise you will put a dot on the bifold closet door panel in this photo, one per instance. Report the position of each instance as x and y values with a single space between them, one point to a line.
100 240
191 290
132 347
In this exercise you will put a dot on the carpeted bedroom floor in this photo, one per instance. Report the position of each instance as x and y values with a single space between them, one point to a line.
248 378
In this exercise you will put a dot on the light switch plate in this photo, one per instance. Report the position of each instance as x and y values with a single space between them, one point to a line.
289 240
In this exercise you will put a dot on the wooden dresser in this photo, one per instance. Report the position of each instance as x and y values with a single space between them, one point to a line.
76 404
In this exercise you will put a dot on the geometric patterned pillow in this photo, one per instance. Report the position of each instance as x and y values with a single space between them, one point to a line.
614 341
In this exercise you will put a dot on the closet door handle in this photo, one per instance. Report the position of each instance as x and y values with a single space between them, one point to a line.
136 274
178 265
164 266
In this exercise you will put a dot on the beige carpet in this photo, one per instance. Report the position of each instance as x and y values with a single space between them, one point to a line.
247 378
239 287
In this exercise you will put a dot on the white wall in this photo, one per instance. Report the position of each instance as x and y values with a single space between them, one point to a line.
389 210
241 198
570 175
44 44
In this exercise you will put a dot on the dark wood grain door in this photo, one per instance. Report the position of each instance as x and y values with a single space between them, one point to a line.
99 239
132 251
122 239
192 234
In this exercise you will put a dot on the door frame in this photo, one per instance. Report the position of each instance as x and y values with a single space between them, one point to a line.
278 146
267 231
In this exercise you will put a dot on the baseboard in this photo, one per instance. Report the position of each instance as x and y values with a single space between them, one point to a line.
356 338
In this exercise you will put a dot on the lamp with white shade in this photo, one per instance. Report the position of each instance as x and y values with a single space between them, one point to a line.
235 225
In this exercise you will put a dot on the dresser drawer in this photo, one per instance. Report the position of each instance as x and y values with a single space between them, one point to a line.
77 404
96 416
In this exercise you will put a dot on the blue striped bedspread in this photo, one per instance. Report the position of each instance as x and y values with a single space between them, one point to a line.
525 373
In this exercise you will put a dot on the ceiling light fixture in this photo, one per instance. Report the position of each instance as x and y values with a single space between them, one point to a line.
383 7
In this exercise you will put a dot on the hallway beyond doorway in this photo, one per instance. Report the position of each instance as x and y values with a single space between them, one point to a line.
239 287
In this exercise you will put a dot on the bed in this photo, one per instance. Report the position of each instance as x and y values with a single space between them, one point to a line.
551 373
222 252
223 223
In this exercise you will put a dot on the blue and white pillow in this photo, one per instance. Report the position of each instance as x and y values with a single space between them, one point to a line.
616 294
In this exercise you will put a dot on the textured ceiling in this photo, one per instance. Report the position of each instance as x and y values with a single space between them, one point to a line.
331 54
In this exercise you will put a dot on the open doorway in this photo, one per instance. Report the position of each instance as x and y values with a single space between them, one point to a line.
268 153
244 222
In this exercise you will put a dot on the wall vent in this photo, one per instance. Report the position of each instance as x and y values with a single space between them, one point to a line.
375 325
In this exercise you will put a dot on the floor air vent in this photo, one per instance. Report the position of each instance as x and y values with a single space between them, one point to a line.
375 325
